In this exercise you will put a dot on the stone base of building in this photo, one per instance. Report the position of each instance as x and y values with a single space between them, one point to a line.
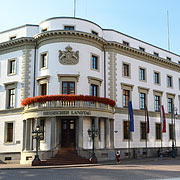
10 158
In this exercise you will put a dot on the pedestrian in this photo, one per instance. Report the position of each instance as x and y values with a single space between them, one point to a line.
118 156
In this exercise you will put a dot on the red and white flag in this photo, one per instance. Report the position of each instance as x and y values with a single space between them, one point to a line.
163 119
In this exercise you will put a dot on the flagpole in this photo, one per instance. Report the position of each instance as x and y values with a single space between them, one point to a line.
146 128
129 134
161 126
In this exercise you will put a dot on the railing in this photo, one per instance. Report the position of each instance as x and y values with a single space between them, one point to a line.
71 104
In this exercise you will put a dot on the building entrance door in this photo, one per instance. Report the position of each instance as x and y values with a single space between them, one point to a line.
68 133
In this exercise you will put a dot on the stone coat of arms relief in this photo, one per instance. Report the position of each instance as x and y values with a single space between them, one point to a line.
68 57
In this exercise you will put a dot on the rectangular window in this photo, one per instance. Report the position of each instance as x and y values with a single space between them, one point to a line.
44 58
44 30
170 104
94 90
156 54
126 98
125 43
9 132
43 89
142 76
170 131
179 84
94 33
94 63
142 100
169 81
156 78
141 49
143 131
158 131
12 38
69 28
11 98
168 58
68 87
126 70
126 130
12 66
157 103
42 127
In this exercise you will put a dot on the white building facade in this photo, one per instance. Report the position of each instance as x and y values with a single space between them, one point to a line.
75 56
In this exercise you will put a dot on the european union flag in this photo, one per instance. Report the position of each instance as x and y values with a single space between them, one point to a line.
130 109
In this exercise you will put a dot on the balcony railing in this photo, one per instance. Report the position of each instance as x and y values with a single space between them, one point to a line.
63 101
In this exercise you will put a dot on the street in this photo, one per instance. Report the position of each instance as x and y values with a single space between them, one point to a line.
152 169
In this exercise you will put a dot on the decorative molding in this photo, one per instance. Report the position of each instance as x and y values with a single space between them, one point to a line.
9 85
69 76
68 57
158 92
143 89
26 73
112 76
127 86
91 78
171 95
47 77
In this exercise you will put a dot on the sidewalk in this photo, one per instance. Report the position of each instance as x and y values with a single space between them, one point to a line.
123 162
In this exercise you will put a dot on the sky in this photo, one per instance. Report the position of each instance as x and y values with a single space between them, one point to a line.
145 20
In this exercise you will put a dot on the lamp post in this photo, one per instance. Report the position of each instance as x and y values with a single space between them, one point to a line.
38 135
175 116
93 133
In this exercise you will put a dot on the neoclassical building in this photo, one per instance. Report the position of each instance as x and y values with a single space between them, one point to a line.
69 74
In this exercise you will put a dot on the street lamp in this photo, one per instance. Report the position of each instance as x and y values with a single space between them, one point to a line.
175 114
93 133
38 135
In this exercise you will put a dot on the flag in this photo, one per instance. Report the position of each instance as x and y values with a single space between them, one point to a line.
163 119
130 109
147 121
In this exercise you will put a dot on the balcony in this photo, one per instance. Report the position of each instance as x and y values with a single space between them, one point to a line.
64 105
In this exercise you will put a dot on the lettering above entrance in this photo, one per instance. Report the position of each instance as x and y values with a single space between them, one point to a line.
68 57
63 113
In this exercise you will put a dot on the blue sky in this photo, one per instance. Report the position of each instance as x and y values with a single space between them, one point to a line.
143 19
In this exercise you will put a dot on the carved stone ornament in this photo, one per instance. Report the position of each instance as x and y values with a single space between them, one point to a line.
68 57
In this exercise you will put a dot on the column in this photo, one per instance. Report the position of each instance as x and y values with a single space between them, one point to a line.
96 140
53 121
80 133
107 133
112 133
27 134
24 135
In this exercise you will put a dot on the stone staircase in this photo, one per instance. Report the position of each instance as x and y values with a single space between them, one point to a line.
65 156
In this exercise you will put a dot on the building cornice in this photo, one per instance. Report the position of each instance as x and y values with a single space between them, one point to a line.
17 44
89 39
69 36
144 56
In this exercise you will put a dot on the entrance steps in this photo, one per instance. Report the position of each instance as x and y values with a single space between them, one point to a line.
65 156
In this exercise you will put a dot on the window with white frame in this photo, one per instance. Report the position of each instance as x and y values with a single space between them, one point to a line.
43 60
10 94
125 43
143 131
126 70
69 28
158 131
169 81
9 126
94 90
156 54
142 100
170 104
157 103
94 62
11 66
156 78
142 74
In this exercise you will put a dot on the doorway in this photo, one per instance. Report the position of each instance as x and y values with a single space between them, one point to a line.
68 133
